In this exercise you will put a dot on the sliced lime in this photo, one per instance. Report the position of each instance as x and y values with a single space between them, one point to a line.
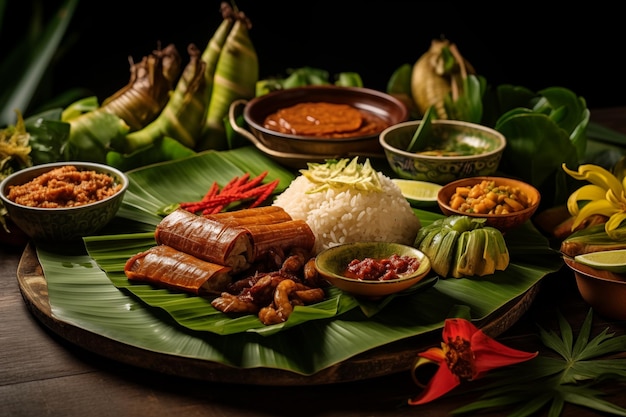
608 260
418 193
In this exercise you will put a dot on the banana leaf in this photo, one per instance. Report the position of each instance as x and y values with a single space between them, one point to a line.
83 294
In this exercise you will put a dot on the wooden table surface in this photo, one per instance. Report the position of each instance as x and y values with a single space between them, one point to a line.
41 374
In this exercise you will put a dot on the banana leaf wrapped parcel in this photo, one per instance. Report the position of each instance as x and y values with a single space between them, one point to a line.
459 246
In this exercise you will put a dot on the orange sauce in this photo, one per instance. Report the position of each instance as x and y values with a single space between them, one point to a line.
321 119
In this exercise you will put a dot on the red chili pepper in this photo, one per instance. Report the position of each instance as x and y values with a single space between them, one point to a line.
269 188
237 189
253 183
212 192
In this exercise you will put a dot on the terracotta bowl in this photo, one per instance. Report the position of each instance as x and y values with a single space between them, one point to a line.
604 291
62 224
488 143
296 150
331 264
502 222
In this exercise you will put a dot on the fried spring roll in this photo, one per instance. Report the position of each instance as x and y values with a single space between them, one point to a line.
280 236
255 215
206 239
166 267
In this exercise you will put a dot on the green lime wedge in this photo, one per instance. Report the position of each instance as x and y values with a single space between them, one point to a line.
418 193
608 260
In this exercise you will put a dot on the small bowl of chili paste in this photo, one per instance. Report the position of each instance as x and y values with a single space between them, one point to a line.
372 269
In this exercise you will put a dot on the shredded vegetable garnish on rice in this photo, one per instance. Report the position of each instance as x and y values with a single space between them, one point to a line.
344 201
342 173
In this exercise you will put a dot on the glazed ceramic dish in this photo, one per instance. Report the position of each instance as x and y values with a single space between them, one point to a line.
63 224
604 291
331 264
296 150
502 222
488 145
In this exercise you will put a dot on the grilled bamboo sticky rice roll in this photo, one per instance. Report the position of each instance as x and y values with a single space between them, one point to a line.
271 229
164 266
205 239
255 215
279 237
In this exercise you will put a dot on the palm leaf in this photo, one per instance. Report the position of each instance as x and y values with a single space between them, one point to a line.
81 292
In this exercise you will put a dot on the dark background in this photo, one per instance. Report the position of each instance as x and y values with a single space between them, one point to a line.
516 43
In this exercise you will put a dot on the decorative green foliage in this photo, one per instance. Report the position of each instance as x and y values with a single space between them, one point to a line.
26 64
547 382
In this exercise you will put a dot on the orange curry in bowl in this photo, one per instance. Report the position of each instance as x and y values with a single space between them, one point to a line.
323 119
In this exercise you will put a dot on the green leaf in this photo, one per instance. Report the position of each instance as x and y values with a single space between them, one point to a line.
92 133
565 101
605 134
530 386
48 137
536 148
161 150
23 81
81 293
349 79
424 133
469 105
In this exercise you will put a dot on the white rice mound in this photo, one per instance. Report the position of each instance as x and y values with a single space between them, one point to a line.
350 215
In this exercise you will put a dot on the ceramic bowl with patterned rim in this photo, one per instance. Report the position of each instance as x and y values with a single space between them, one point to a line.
63 224
332 263
459 150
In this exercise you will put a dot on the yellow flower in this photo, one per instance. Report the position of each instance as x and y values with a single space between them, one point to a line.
606 196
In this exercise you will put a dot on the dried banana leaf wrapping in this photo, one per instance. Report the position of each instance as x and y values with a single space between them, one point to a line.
148 90
183 114
438 74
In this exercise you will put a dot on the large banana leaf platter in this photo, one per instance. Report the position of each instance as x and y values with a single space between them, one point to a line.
87 288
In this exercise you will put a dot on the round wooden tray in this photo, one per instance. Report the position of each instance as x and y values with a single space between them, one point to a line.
392 358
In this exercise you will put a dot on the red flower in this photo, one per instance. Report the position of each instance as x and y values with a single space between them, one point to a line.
466 353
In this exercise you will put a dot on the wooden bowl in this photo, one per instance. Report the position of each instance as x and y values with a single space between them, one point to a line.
604 291
332 262
502 222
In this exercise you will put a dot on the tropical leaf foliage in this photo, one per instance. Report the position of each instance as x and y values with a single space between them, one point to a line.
25 68
81 292
549 383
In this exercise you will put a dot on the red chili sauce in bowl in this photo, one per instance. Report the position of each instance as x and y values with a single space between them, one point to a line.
370 269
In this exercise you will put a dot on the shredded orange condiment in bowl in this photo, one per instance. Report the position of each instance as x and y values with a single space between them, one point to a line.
62 187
